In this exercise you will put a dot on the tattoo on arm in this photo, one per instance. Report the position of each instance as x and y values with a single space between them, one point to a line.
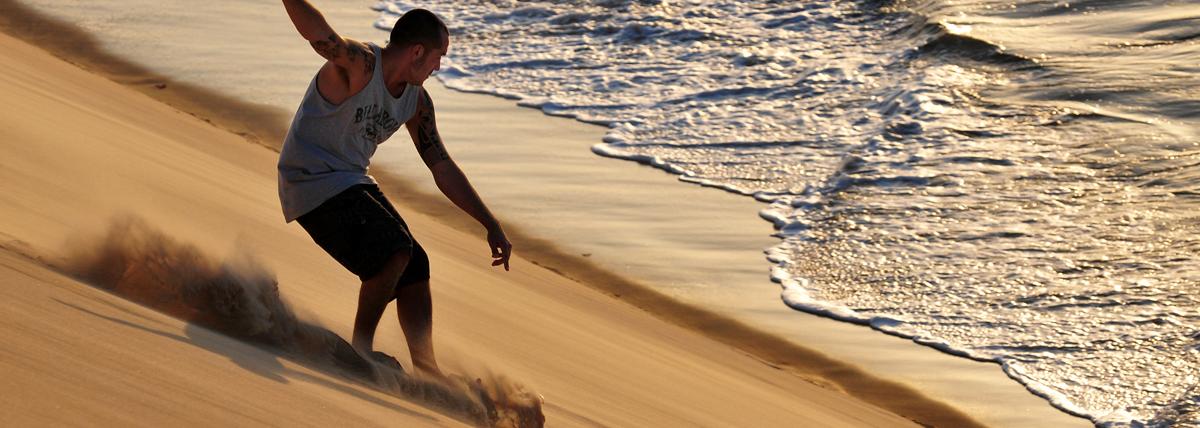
429 143
344 52
330 48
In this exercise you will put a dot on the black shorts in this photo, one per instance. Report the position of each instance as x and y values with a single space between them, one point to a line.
361 230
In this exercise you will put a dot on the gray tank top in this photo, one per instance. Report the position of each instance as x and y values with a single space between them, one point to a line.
329 147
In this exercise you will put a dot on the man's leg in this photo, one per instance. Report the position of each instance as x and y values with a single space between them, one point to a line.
414 306
373 297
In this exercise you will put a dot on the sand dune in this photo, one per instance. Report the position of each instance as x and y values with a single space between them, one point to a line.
80 151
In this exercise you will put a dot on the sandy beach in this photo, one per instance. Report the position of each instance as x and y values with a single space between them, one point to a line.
619 227
81 150
888 220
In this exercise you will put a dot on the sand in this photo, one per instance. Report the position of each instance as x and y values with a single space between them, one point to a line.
81 150
635 228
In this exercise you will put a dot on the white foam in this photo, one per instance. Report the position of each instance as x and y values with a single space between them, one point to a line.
609 151
904 161
796 296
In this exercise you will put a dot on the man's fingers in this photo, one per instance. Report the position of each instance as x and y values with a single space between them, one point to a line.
501 250
501 253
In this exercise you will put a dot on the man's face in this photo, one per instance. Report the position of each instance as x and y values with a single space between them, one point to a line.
429 61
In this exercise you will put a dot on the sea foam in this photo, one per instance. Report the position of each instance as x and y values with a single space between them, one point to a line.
1012 184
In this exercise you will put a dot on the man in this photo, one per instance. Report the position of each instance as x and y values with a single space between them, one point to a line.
356 101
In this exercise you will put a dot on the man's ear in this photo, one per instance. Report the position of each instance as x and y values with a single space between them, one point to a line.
418 50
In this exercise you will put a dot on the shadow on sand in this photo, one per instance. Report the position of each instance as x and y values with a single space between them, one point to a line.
239 298
266 365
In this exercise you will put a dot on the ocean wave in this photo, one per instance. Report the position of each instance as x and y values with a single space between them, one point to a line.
972 177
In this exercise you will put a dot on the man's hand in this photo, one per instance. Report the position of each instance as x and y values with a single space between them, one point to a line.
501 248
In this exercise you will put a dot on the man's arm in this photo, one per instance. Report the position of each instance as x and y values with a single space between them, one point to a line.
451 180
349 55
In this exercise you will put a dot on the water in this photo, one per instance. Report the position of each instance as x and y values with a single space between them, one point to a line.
1010 182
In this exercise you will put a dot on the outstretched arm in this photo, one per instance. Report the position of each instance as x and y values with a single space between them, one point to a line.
451 180
345 53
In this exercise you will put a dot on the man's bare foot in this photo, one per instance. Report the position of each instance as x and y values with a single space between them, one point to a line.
386 360
433 373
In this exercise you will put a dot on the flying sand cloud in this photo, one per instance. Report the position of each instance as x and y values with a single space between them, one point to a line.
240 298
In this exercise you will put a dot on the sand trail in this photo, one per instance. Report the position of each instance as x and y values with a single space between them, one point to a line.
77 355
240 298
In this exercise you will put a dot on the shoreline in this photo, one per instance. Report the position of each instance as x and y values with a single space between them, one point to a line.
89 355
248 120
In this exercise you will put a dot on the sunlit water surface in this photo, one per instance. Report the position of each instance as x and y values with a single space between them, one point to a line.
1013 182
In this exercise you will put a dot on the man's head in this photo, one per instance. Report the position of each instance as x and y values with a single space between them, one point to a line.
424 38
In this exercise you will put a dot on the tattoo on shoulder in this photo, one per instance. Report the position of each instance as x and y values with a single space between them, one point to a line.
429 143
358 50
369 64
